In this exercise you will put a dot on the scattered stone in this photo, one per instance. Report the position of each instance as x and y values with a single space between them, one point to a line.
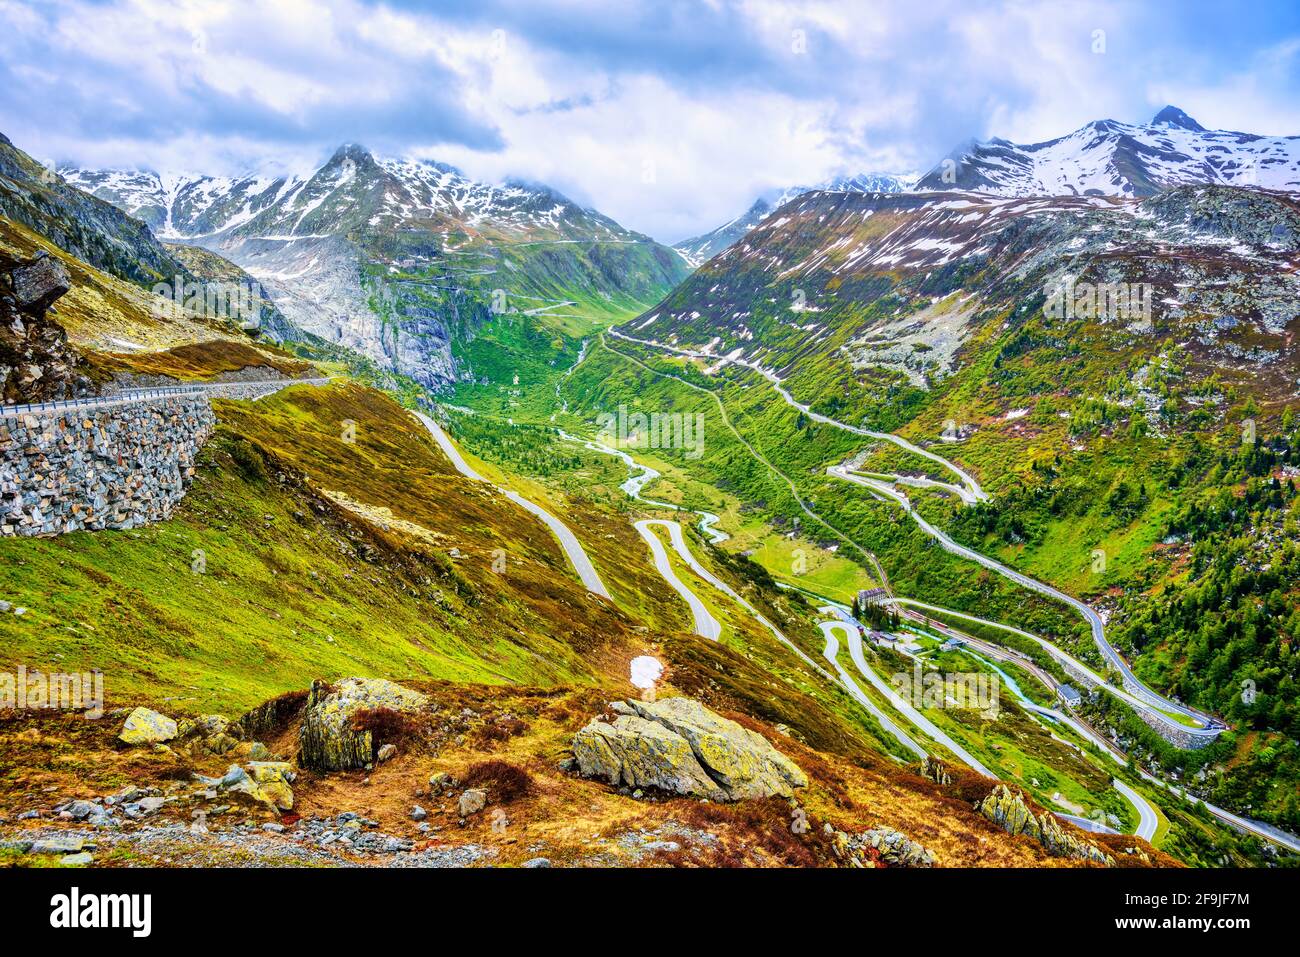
669 846
418 813
274 827
144 726
893 848
127 794
679 746
537 862
80 810
77 860
387 752
933 770
259 752
441 782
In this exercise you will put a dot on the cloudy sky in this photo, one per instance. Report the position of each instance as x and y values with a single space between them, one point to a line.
668 116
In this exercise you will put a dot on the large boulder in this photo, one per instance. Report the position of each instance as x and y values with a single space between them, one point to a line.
37 363
38 283
328 739
1008 809
679 746
144 726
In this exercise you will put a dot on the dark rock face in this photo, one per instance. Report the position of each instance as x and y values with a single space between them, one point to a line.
36 362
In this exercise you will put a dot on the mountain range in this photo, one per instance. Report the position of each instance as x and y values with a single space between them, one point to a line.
1103 158
394 259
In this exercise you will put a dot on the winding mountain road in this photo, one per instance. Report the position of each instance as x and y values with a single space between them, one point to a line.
853 638
970 492
1148 821
706 626
1138 693
831 652
1244 824
573 549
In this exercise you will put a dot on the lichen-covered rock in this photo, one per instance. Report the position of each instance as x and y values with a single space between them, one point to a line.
263 782
144 726
681 747
327 739
641 754
271 782
1007 809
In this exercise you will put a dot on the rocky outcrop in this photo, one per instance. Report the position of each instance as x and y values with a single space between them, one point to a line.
111 466
681 747
38 283
36 362
90 229
1008 809
328 739
935 770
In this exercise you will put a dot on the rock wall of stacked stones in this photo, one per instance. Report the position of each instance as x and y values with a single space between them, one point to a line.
117 466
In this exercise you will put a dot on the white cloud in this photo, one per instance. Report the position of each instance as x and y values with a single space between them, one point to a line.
720 100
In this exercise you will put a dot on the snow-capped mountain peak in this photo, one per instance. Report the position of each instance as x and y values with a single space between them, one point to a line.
1173 116
1109 158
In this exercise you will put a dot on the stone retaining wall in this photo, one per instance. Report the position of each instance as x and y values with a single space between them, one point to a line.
1180 736
112 467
